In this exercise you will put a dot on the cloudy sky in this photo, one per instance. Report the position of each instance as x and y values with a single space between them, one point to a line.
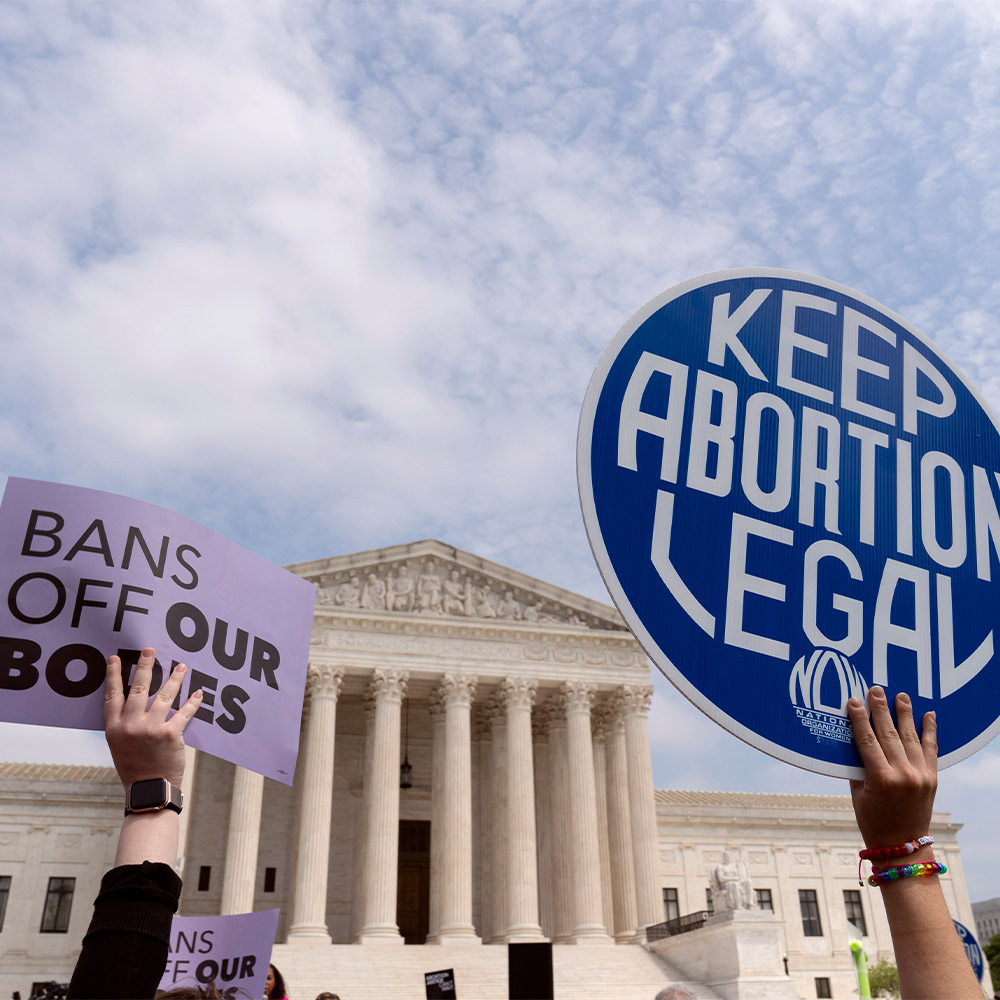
333 276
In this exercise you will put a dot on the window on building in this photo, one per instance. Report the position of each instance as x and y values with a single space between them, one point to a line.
204 877
823 988
811 926
764 900
856 915
269 875
671 908
58 903
4 893
709 904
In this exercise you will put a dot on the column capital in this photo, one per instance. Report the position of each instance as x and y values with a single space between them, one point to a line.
540 723
457 690
601 719
493 714
517 692
577 696
435 705
634 699
481 729
388 685
324 681
555 711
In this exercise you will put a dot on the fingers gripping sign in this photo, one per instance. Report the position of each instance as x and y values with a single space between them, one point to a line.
143 741
895 801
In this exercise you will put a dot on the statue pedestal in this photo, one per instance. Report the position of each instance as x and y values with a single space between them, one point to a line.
736 953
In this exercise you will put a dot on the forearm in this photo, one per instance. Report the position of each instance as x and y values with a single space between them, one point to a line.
149 836
929 955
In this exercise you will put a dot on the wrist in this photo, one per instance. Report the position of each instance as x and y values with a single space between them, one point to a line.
148 836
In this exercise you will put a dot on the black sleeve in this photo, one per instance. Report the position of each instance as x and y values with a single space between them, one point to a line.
125 949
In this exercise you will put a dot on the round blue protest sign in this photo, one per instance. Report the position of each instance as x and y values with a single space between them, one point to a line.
972 950
792 495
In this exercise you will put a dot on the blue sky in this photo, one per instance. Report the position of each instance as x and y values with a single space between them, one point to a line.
328 277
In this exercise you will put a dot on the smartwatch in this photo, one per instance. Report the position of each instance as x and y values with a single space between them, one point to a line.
152 795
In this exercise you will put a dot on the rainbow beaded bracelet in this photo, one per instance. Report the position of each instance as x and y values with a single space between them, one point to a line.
873 853
923 869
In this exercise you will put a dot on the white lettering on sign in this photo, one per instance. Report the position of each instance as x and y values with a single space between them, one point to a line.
753 442
726 327
635 419
790 340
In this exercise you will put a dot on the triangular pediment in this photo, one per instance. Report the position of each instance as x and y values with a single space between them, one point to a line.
431 579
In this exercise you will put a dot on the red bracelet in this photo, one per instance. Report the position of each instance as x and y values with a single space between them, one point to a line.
881 853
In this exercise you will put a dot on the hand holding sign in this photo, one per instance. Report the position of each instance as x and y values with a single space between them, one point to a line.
143 742
893 805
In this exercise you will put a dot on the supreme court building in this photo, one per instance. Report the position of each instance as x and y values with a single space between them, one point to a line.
520 712
474 769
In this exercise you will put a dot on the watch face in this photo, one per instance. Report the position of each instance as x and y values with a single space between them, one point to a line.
149 794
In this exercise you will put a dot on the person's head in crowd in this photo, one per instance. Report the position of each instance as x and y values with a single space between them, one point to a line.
207 992
328 996
274 987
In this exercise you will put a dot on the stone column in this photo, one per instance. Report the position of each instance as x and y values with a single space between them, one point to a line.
312 859
517 695
498 819
436 710
484 738
620 831
543 812
184 828
588 915
598 724
562 887
241 847
635 699
298 781
362 824
456 692
380 875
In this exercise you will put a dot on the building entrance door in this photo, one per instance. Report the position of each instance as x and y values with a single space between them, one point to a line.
413 898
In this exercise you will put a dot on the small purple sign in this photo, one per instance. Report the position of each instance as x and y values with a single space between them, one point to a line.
233 952
86 574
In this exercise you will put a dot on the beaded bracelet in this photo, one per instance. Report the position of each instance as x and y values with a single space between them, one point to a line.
923 869
879 853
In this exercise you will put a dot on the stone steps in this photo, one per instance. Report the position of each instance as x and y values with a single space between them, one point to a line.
396 972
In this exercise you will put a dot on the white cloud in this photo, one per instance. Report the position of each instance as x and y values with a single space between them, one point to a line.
329 277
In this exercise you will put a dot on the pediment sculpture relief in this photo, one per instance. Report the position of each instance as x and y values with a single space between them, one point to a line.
434 589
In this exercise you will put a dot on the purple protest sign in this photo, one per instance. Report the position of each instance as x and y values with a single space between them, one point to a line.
233 952
85 574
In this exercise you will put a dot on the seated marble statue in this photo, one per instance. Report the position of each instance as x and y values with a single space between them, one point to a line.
731 885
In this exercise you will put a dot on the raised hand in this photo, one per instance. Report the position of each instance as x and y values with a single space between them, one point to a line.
894 803
143 742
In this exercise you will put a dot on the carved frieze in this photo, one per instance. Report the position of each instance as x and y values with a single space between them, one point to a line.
433 588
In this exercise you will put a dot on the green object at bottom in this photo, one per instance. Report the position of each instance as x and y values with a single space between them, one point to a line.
861 968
